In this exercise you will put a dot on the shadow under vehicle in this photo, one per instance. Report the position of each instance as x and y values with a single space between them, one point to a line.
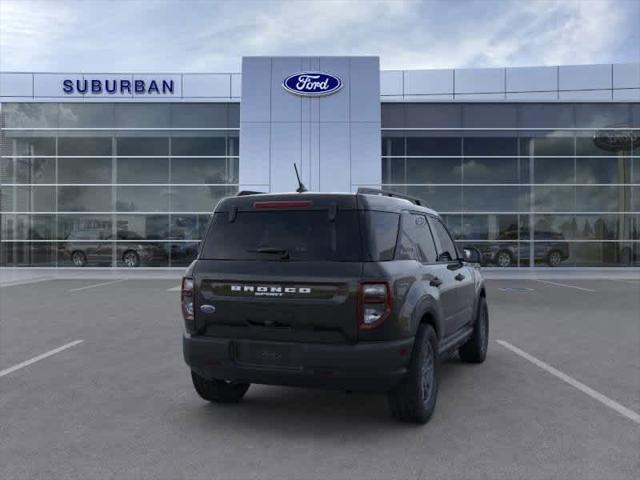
96 247
549 247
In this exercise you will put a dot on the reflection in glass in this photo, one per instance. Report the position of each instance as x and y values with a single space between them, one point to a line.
84 170
198 199
142 146
143 170
143 199
490 170
433 170
84 226
84 198
204 170
147 227
495 199
554 199
84 146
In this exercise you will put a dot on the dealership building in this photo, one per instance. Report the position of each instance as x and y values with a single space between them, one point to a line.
535 166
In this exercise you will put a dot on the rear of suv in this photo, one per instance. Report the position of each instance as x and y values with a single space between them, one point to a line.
362 292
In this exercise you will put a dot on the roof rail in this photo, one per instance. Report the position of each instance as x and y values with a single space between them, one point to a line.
242 193
387 193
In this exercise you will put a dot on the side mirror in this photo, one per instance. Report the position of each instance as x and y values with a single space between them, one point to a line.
472 255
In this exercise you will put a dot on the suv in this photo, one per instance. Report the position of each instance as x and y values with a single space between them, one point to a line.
359 292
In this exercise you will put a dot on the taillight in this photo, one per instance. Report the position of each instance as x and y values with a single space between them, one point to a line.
186 299
375 304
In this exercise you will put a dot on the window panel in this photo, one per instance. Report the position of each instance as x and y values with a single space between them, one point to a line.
30 115
144 227
84 170
198 199
183 253
198 146
392 146
603 170
34 199
84 227
433 170
442 199
487 146
555 227
143 170
84 199
490 170
28 254
604 254
86 115
83 145
188 227
494 199
29 146
143 199
433 146
34 170
142 146
554 199
500 254
490 227
204 170
603 199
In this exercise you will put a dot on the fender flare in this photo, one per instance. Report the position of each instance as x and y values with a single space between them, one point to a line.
427 306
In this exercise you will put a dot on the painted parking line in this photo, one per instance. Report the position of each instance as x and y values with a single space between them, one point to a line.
612 404
566 285
33 360
25 281
174 289
87 287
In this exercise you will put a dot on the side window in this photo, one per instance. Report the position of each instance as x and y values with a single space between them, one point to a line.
382 234
447 250
416 242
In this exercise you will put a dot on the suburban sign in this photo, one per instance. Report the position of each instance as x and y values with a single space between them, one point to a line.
312 84
101 86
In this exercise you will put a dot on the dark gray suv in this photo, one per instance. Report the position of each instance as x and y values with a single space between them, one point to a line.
362 292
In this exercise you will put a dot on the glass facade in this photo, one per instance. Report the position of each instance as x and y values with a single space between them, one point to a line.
112 184
527 184
133 184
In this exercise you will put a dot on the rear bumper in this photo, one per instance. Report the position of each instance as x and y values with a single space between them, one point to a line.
371 366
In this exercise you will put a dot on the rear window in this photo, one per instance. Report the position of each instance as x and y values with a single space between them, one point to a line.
284 235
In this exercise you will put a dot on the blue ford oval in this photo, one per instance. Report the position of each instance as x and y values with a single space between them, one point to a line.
312 84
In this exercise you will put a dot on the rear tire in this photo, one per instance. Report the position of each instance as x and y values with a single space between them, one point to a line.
554 259
504 258
414 400
131 259
78 258
475 349
219 391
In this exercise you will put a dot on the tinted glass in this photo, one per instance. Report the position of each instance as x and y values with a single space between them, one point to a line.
382 232
143 170
284 236
143 146
416 242
89 146
447 247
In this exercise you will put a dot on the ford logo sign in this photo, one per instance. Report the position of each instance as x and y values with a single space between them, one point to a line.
312 84
207 309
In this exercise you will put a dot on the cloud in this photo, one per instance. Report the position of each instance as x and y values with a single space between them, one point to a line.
167 35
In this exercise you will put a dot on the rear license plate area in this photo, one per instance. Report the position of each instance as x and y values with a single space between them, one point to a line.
263 354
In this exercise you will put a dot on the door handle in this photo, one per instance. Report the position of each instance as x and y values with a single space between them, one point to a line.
459 277
435 282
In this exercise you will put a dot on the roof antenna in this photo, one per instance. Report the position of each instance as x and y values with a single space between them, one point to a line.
301 188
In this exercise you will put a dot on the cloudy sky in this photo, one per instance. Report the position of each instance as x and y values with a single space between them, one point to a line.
212 36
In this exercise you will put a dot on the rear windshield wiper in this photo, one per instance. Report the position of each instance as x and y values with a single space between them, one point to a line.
283 252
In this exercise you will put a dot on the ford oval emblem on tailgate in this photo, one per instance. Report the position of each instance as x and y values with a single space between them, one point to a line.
312 84
207 309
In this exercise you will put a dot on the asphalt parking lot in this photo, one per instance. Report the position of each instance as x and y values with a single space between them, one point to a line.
119 404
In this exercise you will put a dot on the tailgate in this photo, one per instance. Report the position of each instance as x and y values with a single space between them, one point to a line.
283 301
